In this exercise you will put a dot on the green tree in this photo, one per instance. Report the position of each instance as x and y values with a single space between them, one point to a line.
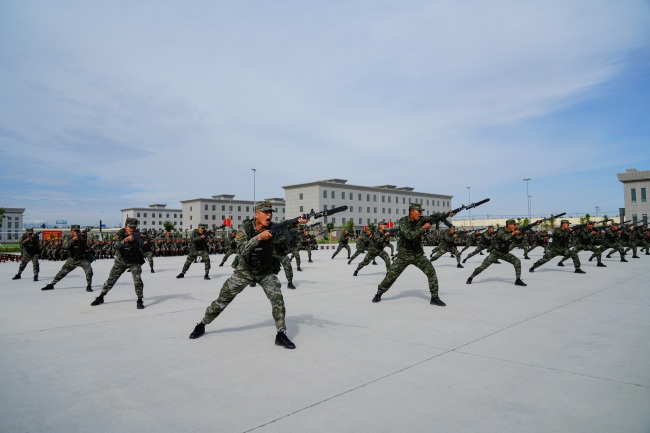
349 225
169 226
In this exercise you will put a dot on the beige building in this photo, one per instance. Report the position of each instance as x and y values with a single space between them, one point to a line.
635 190
213 211
154 216
366 204
12 224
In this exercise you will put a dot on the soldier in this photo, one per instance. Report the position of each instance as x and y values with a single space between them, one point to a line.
483 241
447 244
612 240
30 247
198 247
232 247
410 252
561 246
307 241
77 250
343 243
127 245
363 240
539 239
500 250
281 252
256 264
147 248
586 239
376 245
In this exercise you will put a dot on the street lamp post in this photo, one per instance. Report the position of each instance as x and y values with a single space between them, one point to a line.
469 198
528 197
254 202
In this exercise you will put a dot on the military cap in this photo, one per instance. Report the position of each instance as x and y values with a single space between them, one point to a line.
416 206
381 223
564 222
131 222
511 221
264 206
490 227
203 226
591 223
74 227
30 230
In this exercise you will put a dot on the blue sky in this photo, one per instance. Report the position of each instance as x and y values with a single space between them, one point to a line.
109 105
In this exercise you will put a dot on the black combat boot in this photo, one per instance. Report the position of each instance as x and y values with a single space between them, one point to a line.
377 297
526 258
35 277
98 300
374 262
464 260
356 272
636 257
298 268
518 282
181 275
349 262
48 287
281 339
89 287
310 261
592 257
601 265
139 305
437 301
469 280
532 269
497 262
152 271
199 330
560 264
253 284
623 259
579 271
459 266
16 277
290 285
206 276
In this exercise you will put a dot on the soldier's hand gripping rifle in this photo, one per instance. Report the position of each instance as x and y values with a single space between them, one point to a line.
437 219
283 229
527 227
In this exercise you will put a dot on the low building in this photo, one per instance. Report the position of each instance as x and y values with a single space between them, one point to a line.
635 190
154 216
214 211
366 204
12 224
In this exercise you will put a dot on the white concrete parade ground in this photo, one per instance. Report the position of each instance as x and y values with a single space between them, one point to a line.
567 353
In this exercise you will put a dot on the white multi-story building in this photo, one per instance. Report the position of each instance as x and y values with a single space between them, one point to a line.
154 216
213 211
635 190
366 204
12 224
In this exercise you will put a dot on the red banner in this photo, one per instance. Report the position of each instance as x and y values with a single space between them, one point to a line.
50 235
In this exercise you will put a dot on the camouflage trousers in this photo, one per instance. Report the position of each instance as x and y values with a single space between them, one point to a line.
559 251
238 282
371 256
616 247
119 267
478 250
442 249
72 264
296 254
308 249
340 247
228 254
149 256
392 248
400 263
493 257
26 259
532 247
357 253
593 248
285 261
193 255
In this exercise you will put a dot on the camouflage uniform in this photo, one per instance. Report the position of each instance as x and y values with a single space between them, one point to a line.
232 248
147 249
128 255
561 246
410 252
447 244
376 245
198 247
500 250
343 243
539 239
257 264
77 251
30 247
483 242
585 239
361 247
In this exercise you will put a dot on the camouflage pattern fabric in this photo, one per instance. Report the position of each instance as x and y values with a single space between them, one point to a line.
119 267
561 246
496 255
446 246
285 261
340 247
72 264
26 259
149 256
193 255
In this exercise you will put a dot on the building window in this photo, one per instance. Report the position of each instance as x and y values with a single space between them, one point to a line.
360 209
351 209
247 209
181 216
301 209
144 223
190 217
333 220
359 197
374 210
238 208
633 191
351 196
300 196
214 217
389 209
342 220
324 193
175 216
383 199
360 221
343 195
145 214
239 218
206 207
367 197
190 208
634 219
138 214
383 210
375 221
368 209
645 218
223 207
333 195
374 197
214 207
283 211
643 197
230 208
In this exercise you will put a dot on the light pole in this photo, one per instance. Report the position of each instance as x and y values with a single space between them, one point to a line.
528 197
254 203
469 198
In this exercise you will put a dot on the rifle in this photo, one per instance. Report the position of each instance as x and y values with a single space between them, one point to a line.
285 226
432 219
527 227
